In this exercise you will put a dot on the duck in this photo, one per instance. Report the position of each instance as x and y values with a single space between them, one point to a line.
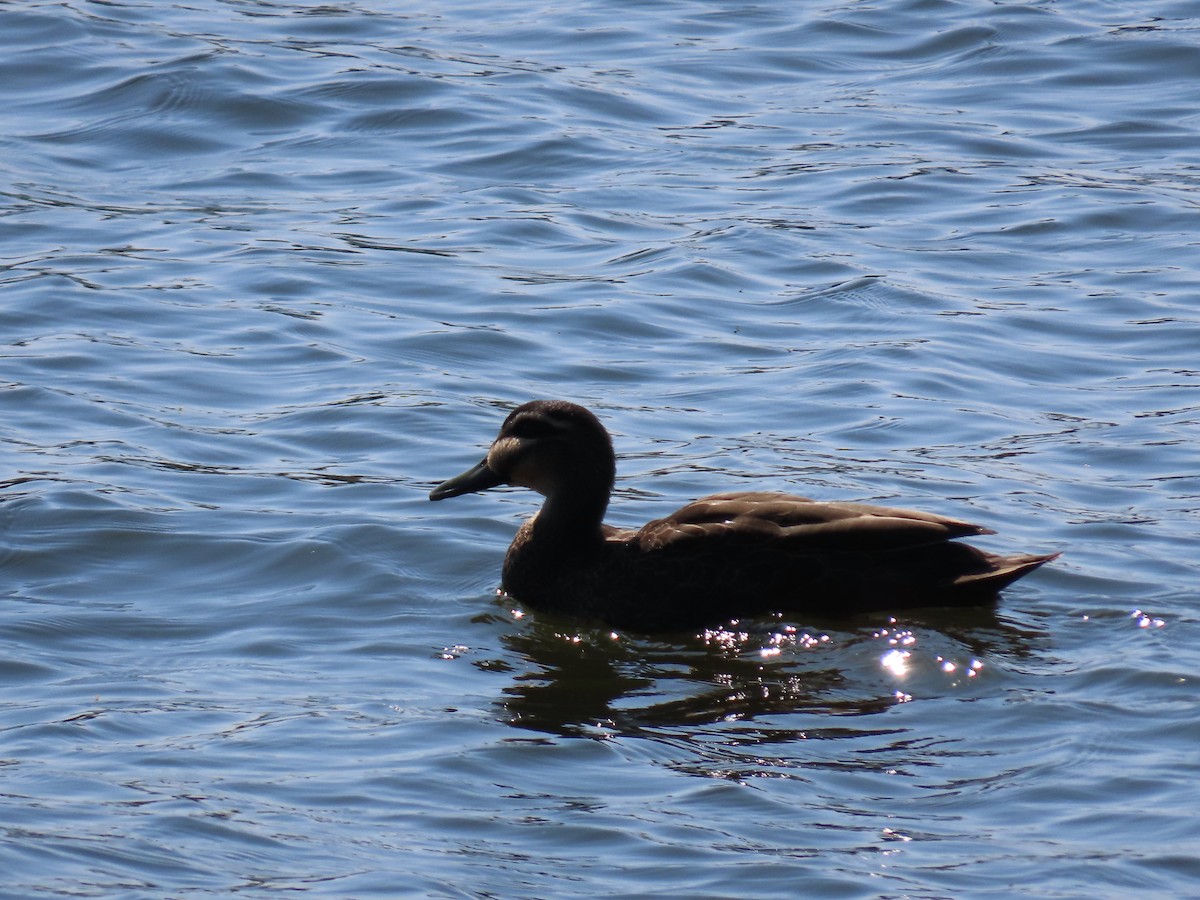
719 559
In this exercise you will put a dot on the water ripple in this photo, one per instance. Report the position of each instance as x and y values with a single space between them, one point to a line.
272 270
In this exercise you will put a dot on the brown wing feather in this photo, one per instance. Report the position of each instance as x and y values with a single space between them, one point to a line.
800 523
746 554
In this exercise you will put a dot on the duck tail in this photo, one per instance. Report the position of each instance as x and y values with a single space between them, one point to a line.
1003 571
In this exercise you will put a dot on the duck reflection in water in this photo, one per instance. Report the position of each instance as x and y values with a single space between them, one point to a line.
823 678
726 556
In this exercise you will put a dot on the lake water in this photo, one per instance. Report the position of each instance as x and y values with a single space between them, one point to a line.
272 269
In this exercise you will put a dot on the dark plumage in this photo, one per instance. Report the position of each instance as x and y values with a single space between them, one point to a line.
722 557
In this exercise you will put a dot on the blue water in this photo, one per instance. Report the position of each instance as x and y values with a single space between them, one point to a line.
270 270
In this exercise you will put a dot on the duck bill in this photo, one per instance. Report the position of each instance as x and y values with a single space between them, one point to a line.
479 478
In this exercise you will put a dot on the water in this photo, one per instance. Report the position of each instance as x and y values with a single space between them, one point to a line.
273 269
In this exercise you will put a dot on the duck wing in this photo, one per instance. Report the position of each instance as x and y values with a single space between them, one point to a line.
800 523
730 555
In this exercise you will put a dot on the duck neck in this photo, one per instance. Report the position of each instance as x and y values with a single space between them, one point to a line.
570 518
553 546
576 499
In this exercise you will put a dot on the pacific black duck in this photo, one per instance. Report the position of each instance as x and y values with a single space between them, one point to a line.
723 557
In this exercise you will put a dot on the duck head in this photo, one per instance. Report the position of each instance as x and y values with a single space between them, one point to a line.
556 448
